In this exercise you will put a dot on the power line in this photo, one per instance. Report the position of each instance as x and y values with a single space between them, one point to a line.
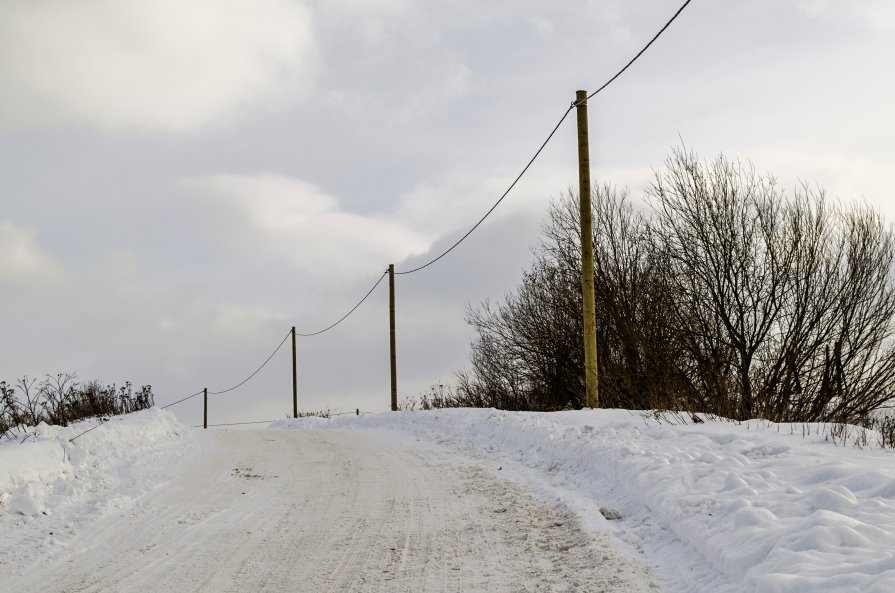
237 423
247 379
102 421
348 314
634 59
453 246
343 318
183 400
497 203
544 144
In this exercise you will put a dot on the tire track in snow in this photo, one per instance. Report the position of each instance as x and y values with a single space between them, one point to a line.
276 511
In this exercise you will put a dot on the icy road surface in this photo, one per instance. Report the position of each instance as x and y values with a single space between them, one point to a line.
318 511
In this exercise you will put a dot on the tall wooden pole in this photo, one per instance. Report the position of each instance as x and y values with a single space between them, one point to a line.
592 399
294 378
391 322
205 412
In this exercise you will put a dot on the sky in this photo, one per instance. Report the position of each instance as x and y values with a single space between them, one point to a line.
184 182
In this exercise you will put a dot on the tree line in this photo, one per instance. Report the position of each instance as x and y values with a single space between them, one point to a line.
726 295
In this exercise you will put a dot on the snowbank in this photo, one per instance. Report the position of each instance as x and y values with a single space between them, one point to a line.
42 473
40 464
50 489
719 506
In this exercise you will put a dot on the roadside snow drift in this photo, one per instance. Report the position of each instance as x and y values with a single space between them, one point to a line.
718 506
40 467
50 485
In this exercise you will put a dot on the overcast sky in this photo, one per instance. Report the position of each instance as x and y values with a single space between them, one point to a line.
184 181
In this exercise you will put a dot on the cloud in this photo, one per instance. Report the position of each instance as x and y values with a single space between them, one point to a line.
164 64
22 260
875 14
366 8
287 218
849 177
463 194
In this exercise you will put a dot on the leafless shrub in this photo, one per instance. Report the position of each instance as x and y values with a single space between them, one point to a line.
438 396
326 413
61 399
9 412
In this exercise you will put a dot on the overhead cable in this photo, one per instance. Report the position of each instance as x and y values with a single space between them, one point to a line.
247 379
634 59
183 400
236 423
348 314
461 239
101 422
544 144
497 203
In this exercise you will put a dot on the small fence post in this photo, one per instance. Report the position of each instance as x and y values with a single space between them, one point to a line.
205 414
358 411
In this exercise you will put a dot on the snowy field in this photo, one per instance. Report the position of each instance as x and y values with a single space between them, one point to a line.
458 500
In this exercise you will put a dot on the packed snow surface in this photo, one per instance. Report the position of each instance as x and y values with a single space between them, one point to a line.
459 500
290 511
717 506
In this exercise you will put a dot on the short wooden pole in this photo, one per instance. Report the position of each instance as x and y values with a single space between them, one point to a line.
391 321
294 378
205 413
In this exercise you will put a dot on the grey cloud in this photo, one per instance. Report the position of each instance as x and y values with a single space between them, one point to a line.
874 14
24 263
158 65
292 220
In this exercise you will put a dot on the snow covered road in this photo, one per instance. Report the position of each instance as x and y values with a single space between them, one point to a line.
447 500
330 510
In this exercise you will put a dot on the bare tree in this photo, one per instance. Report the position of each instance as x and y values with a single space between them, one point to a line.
529 350
791 297
730 296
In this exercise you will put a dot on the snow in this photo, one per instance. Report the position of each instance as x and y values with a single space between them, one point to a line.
715 506
39 466
51 485
363 511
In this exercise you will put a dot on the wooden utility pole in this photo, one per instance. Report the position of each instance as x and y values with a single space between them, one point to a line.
205 413
587 256
391 323
294 378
